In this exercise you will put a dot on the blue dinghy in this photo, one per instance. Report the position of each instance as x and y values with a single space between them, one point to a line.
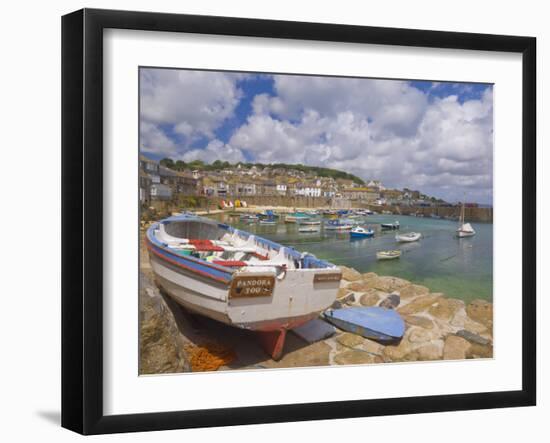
376 323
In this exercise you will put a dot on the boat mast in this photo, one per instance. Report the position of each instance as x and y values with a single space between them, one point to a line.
461 221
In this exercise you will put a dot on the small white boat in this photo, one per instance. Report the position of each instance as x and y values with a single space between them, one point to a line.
268 222
310 222
335 225
296 217
408 237
308 229
394 225
388 255
464 229
249 217
363 212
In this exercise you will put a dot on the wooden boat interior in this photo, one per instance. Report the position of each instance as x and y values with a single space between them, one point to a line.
225 246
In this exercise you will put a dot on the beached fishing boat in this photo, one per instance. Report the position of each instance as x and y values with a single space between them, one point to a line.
336 225
408 237
464 229
388 255
375 323
360 232
394 225
240 279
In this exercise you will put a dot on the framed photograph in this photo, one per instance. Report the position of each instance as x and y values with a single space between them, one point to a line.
269 221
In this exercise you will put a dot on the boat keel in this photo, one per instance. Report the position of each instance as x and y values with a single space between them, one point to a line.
273 342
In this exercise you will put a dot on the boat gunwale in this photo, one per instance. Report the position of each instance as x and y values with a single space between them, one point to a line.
164 251
153 242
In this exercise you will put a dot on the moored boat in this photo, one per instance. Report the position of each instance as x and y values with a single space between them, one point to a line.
268 218
375 323
464 229
364 212
310 222
296 217
238 278
408 237
336 225
268 214
308 229
388 255
394 225
249 217
360 232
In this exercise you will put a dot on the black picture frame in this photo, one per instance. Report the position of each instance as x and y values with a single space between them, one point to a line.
82 218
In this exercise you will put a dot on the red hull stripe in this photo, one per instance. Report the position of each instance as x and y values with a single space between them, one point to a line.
230 263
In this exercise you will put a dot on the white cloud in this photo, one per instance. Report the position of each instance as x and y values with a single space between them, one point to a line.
192 103
153 140
215 150
375 129
393 106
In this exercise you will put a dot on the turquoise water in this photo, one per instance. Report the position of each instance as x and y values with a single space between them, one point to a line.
460 268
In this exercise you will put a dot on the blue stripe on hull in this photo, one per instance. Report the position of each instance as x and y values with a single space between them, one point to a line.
357 235
194 265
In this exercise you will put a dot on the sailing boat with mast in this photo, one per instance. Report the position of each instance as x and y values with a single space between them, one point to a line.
464 229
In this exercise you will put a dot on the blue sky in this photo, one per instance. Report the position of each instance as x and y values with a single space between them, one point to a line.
433 136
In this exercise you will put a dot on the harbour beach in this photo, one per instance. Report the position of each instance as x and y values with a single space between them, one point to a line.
437 327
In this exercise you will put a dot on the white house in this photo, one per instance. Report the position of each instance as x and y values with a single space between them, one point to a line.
281 188
308 190
160 191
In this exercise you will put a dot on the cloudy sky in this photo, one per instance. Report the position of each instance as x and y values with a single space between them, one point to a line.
434 137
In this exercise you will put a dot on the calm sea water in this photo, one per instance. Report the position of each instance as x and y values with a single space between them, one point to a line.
460 268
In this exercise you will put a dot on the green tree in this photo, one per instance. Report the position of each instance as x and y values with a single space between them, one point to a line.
167 162
180 165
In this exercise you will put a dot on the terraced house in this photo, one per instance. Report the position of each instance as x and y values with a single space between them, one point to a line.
365 193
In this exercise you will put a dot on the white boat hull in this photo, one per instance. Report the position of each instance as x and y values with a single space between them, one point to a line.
407 238
338 228
239 279
383 256
296 298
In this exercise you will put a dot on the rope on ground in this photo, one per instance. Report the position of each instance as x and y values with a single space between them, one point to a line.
209 356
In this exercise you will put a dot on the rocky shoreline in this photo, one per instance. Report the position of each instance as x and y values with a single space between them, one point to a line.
437 327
